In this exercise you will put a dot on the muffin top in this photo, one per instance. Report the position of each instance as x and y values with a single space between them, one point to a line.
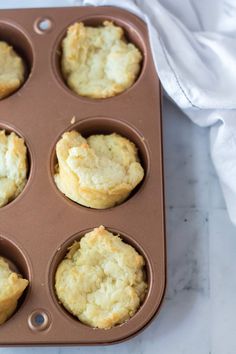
98 62
101 280
99 171
13 166
11 288
11 70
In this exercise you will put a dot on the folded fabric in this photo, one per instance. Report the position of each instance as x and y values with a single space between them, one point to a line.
194 49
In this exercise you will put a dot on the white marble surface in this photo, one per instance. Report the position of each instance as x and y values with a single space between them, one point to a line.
198 314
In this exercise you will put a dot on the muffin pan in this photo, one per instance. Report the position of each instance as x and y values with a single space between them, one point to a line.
38 226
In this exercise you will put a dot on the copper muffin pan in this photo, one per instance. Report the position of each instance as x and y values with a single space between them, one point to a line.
38 226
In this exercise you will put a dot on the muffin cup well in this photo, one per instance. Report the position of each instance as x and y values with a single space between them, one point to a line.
9 129
132 35
20 42
105 125
61 252
18 263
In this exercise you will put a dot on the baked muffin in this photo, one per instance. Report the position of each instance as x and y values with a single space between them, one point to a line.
102 280
11 289
98 62
97 172
12 70
13 166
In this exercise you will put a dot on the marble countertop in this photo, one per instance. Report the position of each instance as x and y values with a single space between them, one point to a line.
198 313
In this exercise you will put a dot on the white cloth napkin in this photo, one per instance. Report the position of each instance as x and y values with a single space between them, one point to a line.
194 48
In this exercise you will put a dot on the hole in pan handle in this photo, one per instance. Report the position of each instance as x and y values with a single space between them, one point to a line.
39 320
43 25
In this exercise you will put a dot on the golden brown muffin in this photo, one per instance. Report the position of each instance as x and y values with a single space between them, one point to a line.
11 289
101 280
13 166
98 172
12 70
98 62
